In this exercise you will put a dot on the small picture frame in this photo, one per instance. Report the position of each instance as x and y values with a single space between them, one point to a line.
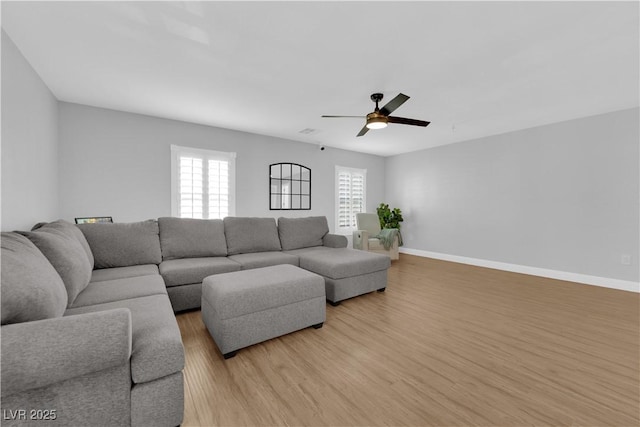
93 219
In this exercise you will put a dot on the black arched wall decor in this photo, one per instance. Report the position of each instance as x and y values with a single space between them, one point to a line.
289 187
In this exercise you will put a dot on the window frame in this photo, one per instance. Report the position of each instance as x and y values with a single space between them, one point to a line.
177 151
338 170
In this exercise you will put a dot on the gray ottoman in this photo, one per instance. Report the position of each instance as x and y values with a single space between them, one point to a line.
250 306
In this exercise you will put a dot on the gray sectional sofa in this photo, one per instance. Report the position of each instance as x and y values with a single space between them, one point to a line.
193 249
88 325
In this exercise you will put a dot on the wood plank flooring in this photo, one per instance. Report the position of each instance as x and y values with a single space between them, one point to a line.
446 345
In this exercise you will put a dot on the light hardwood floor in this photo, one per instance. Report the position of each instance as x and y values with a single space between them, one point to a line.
447 344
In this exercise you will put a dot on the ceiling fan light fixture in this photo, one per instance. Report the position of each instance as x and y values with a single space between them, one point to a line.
376 121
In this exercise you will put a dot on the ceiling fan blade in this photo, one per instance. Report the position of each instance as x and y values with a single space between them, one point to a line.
363 131
393 104
344 117
405 121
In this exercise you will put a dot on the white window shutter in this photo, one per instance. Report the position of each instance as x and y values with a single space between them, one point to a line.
191 191
203 183
350 197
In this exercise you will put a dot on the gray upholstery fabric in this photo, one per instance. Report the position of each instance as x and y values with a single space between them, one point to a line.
123 244
246 235
247 307
124 272
191 238
120 289
243 331
192 270
44 352
185 297
296 233
335 241
66 255
264 259
158 403
341 289
31 287
101 398
311 250
341 263
248 291
156 345
72 230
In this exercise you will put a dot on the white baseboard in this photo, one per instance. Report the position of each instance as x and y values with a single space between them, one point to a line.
623 285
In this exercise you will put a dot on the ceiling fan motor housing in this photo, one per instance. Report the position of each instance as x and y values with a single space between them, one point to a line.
376 120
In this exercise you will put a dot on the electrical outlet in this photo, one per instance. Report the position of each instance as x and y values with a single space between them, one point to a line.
625 259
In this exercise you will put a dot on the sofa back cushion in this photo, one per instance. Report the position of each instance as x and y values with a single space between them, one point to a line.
71 230
67 256
297 233
247 235
31 288
123 244
191 238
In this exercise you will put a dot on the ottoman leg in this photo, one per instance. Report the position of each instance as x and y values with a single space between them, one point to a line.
230 354
381 290
334 303
317 326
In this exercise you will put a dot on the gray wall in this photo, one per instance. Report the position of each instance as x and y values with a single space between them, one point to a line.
118 164
29 144
562 197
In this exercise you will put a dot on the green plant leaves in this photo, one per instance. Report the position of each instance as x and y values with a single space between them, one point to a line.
389 218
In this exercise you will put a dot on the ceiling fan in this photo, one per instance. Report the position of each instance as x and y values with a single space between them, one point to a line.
380 117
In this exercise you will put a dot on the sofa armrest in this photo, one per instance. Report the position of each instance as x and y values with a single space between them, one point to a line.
44 352
361 240
334 241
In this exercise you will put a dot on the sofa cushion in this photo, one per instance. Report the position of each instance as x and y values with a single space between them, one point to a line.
342 263
156 344
263 259
312 249
124 272
191 238
186 271
71 229
296 233
120 289
246 235
123 244
31 287
66 255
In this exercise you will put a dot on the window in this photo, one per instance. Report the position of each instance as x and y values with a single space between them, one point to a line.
202 183
351 188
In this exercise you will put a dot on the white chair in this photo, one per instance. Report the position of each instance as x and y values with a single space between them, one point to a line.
369 226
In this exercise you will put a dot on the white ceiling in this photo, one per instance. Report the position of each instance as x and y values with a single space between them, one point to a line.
471 68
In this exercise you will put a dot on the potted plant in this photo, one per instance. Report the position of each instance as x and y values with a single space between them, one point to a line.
389 218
